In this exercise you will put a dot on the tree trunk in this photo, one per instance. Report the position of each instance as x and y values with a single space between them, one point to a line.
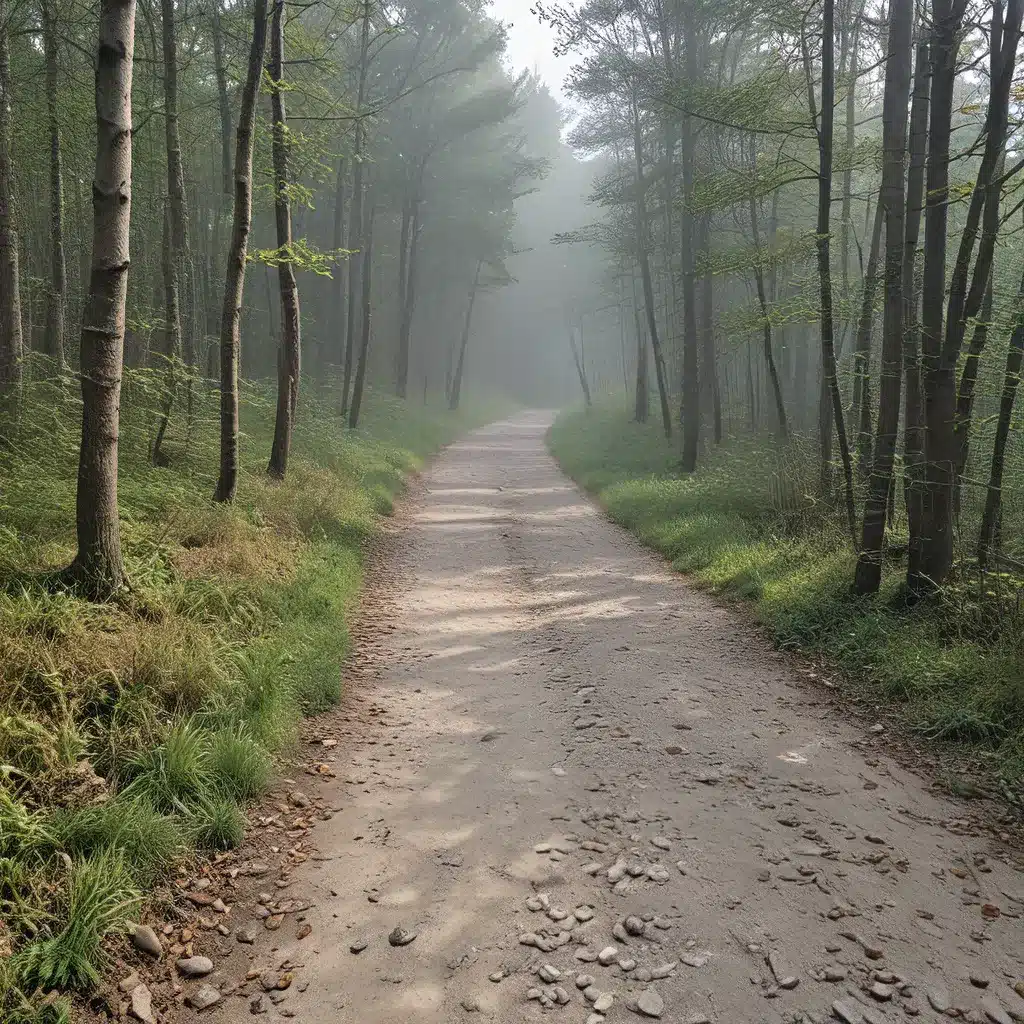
645 273
642 405
766 324
355 220
56 294
942 351
234 287
288 363
891 198
366 259
223 104
830 381
691 341
98 568
580 370
913 431
11 344
861 412
456 395
338 243
988 535
709 369
407 280
175 231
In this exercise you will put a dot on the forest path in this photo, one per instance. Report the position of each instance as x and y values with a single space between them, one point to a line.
545 721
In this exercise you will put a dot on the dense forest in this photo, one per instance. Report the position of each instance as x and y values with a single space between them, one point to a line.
255 259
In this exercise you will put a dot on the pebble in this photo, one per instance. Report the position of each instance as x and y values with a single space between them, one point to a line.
880 991
299 799
591 993
534 904
693 959
607 956
496 976
142 1004
877 728
661 843
587 956
357 947
146 940
620 934
643 974
532 994
247 934
650 1003
584 981
835 974
561 996
979 980
604 1002
203 997
673 749
995 1011
583 914
595 1018
846 1012
657 873
663 971
627 964
195 966
402 937
470 1004
549 974
939 999
633 925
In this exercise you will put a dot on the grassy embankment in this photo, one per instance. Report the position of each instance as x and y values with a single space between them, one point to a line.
744 528
133 734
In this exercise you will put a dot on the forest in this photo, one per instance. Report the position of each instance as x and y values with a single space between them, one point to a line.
260 260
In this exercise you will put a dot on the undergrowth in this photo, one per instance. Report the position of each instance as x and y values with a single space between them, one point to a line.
748 527
132 734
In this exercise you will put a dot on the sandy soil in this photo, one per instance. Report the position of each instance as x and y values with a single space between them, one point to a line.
555 749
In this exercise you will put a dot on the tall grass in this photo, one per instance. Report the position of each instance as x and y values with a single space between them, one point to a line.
135 732
749 527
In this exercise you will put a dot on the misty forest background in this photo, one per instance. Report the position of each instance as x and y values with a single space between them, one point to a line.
258 260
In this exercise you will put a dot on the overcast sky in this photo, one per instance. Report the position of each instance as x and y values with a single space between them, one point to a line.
530 44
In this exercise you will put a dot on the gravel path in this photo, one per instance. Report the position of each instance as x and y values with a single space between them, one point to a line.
566 777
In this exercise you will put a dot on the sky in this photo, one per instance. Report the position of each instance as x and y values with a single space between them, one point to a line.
530 44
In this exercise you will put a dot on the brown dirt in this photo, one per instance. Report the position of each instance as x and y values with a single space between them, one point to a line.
533 694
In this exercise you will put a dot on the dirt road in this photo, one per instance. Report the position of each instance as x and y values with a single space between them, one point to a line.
558 756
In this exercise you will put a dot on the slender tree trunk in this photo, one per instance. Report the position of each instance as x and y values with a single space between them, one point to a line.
580 370
966 288
366 259
913 431
691 340
338 243
891 198
645 273
988 536
407 277
456 395
234 287
355 220
861 412
11 344
851 122
223 103
288 363
709 368
766 323
642 405
98 568
56 294
830 381
175 233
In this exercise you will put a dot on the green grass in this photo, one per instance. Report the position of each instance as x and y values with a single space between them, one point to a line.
133 733
748 527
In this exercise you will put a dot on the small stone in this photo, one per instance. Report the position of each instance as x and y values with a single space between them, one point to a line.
127 984
557 914
584 981
299 799
661 843
877 728
273 922
583 914
595 1018
650 1003
591 993
533 904
587 956
549 974
142 1004
619 933
401 937
673 749
358 946
304 930
604 1002
204 997
657 873
633 925
607 956
561 996
146 940
627 964
663 970
195 966
880 991
694 959
979 980
643 974
533 994
835 974
470 1004
496 976
219 906
246 934
846 1012
938 997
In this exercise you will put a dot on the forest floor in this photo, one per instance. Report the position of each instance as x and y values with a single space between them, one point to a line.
563 783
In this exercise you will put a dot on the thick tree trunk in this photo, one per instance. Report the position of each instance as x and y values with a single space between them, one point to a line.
11 344
98 568
456 392
175 232
355 219
913 430
766 323
366 259
645 273
891 199
830 381
966 288
234 287
861 412
56 294
288 363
